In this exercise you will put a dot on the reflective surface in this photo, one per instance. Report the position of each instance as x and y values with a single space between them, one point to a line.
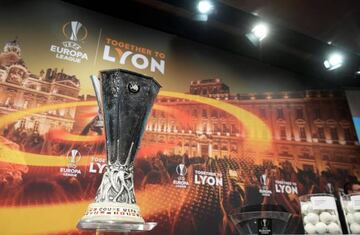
125 100
116 226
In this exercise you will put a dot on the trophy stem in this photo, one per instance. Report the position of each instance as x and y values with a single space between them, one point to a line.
117 184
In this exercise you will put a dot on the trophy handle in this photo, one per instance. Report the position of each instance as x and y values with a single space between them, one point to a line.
99 118
96 84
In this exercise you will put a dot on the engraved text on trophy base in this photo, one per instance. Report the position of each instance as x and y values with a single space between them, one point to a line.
108 211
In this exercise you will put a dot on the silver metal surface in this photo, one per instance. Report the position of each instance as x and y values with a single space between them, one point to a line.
117 184
115 226
125 100
98 122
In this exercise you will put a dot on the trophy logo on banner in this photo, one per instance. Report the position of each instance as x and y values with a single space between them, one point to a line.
73 157
71 30
263 179
75 26
181 169
125 100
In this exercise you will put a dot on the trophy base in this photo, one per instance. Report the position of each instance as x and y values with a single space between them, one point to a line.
114 217
115 226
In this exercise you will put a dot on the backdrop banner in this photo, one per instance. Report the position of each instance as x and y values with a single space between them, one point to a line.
352 97
225 131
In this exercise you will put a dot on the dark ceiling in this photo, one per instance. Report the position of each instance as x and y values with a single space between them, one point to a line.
297 42
327 20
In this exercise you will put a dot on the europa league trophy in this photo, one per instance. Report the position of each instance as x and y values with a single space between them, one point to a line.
125 100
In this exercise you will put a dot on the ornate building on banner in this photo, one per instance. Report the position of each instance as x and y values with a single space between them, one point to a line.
20 90
309 128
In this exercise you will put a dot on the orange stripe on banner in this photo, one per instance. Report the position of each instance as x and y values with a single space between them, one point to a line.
256 129
64 216
41 219
60 135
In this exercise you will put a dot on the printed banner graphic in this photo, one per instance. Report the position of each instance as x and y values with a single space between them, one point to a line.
224 132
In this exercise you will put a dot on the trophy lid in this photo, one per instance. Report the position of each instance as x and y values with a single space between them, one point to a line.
131 72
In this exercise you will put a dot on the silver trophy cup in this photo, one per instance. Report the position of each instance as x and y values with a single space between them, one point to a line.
125 100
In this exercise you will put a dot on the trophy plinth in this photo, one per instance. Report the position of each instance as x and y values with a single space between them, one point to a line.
115 226
114 217
125 100
117 217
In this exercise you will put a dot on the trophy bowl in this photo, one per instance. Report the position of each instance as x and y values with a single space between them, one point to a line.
125 99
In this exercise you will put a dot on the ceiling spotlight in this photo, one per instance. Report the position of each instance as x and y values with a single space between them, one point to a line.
258 33
205 7
357 73
334 61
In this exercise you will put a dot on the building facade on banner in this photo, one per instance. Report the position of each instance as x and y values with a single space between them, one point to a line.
309 128
20 89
